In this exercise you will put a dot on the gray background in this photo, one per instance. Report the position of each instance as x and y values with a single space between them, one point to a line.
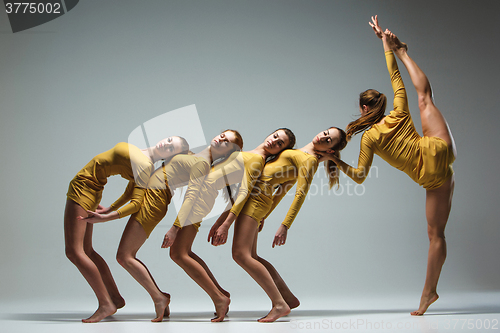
76 86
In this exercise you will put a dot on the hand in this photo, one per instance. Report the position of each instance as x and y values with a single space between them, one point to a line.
323 156
378 30
261 225
170 236
213 231
280 237
394 43
221 235
102 210
93 217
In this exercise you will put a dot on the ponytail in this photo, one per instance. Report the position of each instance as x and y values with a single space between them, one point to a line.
376 103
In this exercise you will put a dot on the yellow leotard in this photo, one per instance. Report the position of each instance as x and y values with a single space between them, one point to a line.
180 171
427 160
123 159
240 167
279 176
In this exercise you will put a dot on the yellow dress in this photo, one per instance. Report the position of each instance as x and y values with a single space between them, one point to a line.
427 160
123 159
181 170
278 177
240 167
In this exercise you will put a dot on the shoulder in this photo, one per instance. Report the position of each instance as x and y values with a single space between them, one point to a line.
254 159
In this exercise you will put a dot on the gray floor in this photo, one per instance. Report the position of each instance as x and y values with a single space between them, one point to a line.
475 312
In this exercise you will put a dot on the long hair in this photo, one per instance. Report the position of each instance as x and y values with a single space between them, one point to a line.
376 103
232 189
332 171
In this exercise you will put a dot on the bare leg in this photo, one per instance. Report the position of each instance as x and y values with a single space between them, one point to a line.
438 206
103 268
181 254
74 234
245 233
209 273
288 296
133 238
433 122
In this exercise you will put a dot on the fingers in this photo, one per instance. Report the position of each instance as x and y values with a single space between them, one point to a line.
211 234
220 239
166 242
279 240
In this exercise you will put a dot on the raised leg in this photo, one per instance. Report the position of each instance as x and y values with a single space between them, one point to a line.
287 294
74 235
245 233
433 122
438 206
181 254
133 238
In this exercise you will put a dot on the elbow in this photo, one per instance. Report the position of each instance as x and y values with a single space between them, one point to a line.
359 180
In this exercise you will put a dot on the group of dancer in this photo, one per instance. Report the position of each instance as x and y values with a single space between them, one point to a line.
264 174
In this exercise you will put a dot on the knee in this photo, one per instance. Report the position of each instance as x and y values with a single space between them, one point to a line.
435 234
241 257
176 256
425 99
123 258
73 255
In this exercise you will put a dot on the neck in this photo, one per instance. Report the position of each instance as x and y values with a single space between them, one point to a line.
151 154
207 154
259 150
309 148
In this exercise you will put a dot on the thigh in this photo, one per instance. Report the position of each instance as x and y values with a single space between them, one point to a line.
74 230
438 206
133 237
434 124
245 233
184 240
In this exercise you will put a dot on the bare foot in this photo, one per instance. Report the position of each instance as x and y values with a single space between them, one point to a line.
215 313
228 295
425 302
275 313
166 313
101 313
221 309
161 308
395 43
119 302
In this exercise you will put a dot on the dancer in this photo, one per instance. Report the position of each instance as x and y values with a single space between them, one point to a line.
278 177
180 171
427 160
83 197
243 167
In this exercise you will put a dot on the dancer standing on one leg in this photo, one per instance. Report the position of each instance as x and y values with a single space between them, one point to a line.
278 177
427 160
84 195
244 167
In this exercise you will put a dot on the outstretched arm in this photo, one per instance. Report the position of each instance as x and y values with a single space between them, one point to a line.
380 33
365 160
391 43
